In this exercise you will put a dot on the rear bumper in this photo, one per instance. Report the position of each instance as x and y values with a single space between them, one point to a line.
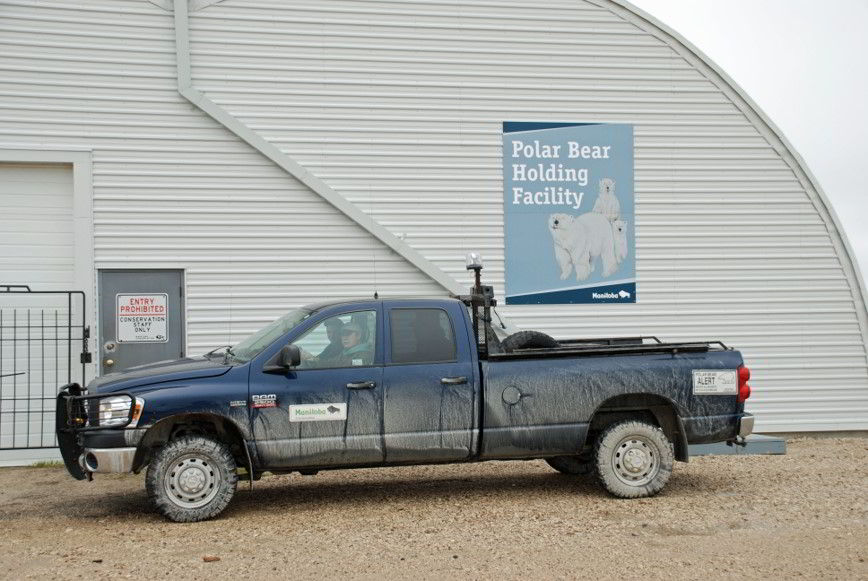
710 429
745 425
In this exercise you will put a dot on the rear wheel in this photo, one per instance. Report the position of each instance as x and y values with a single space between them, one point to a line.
634 459
191 479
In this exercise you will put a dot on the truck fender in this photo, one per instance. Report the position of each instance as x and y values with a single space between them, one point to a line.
223 427
662 410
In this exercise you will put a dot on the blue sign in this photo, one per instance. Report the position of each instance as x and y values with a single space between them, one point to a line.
569 213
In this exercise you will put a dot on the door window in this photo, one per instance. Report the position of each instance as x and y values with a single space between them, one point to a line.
421 336
347 340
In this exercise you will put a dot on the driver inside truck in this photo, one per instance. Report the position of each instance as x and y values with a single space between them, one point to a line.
334 349
355 351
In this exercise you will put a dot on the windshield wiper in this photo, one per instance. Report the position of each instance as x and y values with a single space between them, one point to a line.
207 355
227 354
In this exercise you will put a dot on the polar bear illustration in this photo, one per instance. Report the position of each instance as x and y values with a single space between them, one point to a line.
619 232
578 240
607 203
563 231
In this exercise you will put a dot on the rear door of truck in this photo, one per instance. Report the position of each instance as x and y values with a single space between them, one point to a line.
430 382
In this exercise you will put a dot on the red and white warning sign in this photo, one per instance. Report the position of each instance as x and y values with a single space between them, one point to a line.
142 318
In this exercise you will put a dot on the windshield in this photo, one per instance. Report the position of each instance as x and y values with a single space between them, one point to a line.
255 343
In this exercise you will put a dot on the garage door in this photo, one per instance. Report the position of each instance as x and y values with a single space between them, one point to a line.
36 226
38 345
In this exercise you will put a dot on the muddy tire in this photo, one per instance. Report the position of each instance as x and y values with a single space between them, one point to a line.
572 465
528 340
633 459
191 479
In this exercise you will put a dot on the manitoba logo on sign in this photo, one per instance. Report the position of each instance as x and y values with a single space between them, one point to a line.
621 294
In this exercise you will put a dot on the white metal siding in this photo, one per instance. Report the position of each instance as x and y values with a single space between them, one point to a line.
398 106
171 187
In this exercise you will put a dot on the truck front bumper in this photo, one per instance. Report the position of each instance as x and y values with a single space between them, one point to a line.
88 448
106 460
745 425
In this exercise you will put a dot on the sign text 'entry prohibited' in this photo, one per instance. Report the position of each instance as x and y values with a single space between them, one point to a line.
142 318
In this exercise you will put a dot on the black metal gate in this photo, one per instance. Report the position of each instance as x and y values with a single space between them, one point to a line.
43 346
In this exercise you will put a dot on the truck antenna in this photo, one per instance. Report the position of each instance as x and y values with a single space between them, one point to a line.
373 247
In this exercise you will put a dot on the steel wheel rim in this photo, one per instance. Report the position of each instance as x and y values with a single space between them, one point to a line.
191 481
636 460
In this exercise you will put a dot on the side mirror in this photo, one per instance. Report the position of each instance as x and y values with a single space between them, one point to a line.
288 357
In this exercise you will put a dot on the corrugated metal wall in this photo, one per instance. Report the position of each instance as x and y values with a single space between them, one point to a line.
171 187
398 106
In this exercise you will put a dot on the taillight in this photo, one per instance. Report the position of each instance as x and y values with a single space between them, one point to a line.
743 387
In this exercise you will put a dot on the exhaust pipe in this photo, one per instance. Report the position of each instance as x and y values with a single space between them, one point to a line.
88 462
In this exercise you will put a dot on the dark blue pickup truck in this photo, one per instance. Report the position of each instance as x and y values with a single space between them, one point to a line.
405 381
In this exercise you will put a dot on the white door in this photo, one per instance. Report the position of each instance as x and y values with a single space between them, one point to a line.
36 226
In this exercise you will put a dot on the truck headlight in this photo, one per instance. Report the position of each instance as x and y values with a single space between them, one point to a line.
114 411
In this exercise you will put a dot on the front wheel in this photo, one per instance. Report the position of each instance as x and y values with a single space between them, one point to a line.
634 459
191 479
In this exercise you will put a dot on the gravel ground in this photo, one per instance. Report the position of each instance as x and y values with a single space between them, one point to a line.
800 515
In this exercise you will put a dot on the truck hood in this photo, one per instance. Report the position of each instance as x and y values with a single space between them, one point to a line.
159 372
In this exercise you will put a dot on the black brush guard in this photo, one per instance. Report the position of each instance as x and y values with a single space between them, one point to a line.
71 419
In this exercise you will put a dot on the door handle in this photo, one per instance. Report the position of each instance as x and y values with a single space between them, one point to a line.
362 385
453 380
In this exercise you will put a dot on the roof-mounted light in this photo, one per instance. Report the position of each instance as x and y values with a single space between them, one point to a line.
474 261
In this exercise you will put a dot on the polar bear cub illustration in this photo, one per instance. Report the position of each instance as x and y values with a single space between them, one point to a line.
607 203
579 240
619 232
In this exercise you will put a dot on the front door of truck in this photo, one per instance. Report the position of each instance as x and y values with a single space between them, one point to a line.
328 411
431 394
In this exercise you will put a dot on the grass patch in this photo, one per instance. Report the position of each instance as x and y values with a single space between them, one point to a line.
48 464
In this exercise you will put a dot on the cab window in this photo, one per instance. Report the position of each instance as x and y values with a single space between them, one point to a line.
421 336
346 340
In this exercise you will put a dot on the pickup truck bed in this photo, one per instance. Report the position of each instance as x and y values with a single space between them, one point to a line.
591 379
607 346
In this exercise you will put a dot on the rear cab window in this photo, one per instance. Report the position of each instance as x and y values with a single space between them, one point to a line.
421 335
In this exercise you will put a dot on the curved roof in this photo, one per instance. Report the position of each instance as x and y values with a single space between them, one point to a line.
762 121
